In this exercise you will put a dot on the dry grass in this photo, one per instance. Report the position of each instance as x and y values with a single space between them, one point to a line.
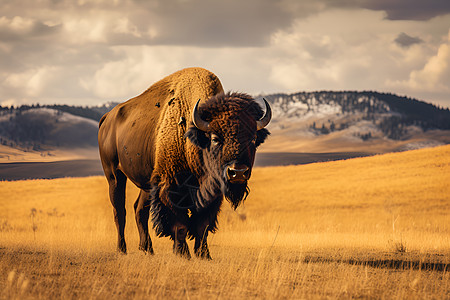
373 227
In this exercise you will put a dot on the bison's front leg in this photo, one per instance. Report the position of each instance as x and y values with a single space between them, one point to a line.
201 224
141 208
201 246
180 247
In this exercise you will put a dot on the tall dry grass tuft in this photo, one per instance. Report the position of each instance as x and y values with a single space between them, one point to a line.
396 243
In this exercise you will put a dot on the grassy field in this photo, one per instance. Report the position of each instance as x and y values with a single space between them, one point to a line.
374 227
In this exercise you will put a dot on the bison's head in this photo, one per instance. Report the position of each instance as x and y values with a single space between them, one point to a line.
228 128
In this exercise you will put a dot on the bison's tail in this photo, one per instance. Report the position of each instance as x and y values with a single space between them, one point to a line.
101 120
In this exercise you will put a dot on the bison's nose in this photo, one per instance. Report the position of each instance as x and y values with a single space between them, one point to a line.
237 173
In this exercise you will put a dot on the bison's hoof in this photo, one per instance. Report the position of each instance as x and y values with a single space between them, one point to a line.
147 250
122 247
203 254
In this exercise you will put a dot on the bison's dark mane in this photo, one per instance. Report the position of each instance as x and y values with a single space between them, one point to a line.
230 102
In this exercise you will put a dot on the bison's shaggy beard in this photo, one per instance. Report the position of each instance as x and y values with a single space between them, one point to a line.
213 187
236 193
215 184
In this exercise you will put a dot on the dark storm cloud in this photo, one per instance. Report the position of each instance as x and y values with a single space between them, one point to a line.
251 23
409 9
220 23
406 41
220 26
212 23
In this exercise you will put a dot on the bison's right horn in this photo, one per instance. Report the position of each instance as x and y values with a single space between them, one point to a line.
197 120
261 123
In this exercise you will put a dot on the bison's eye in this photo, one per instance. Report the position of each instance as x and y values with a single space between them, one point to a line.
215 140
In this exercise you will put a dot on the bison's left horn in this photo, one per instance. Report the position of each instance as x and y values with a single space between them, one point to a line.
197 120
261 123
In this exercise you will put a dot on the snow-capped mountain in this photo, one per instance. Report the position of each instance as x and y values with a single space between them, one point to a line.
322 104
344 121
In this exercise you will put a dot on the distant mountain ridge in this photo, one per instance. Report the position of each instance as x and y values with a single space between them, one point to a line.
390 115
89 112
364 115
409 111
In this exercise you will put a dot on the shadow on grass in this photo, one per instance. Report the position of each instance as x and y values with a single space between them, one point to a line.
385 263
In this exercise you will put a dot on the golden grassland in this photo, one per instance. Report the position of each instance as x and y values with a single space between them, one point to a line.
374 227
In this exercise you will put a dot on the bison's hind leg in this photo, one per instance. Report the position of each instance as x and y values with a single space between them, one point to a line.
117 185
141 209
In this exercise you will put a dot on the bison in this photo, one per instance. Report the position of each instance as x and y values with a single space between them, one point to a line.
187 145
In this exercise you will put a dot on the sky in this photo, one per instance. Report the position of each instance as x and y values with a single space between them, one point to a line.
91 52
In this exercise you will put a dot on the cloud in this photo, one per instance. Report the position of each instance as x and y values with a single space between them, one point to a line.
137 67
406 41
313 56
231 23
226 23
32 82
435 74
88 52
43 83
18 28
192 22
134 70
409 9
